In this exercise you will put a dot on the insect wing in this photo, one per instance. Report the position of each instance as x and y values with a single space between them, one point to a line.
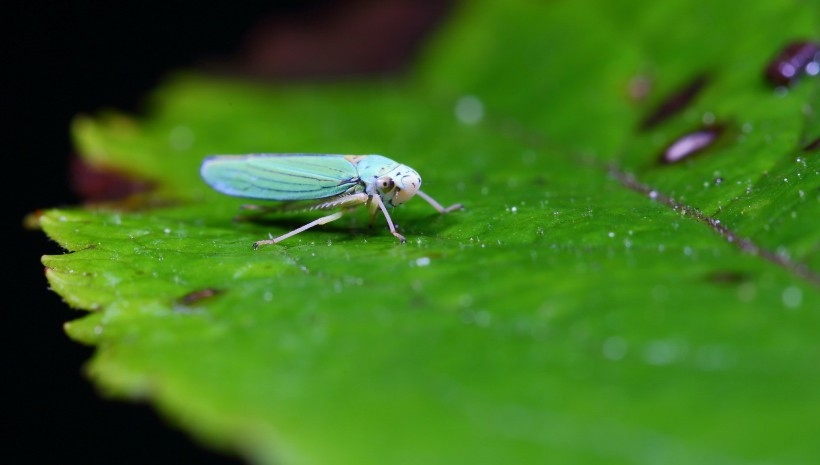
280 176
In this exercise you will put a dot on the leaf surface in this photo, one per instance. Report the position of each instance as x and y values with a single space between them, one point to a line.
589 305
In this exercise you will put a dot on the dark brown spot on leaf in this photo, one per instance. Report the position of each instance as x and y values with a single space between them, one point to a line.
691 143
797 59
675 103
727 277
196 296
98 184
813 145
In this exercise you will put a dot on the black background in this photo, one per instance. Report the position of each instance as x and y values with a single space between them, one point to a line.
60 60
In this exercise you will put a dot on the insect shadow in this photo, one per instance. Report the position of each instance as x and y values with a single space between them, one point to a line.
291 215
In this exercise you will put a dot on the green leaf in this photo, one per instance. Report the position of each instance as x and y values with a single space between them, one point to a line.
590 304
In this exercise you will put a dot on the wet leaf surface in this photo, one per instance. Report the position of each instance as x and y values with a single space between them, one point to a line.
589 305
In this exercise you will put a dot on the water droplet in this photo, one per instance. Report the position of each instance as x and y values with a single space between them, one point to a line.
660 293
792 62
664 352
792 297
482 318
422 261
469 109
611 234
675 103
615 348
718 181
708 118
746 292
691 143
714 357
514 209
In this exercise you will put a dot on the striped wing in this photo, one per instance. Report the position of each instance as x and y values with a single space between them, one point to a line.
280 176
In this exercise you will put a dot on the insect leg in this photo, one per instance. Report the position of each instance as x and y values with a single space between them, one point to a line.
437 205
322 220
380 204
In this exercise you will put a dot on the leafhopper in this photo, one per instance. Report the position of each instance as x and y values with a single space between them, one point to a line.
324 181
